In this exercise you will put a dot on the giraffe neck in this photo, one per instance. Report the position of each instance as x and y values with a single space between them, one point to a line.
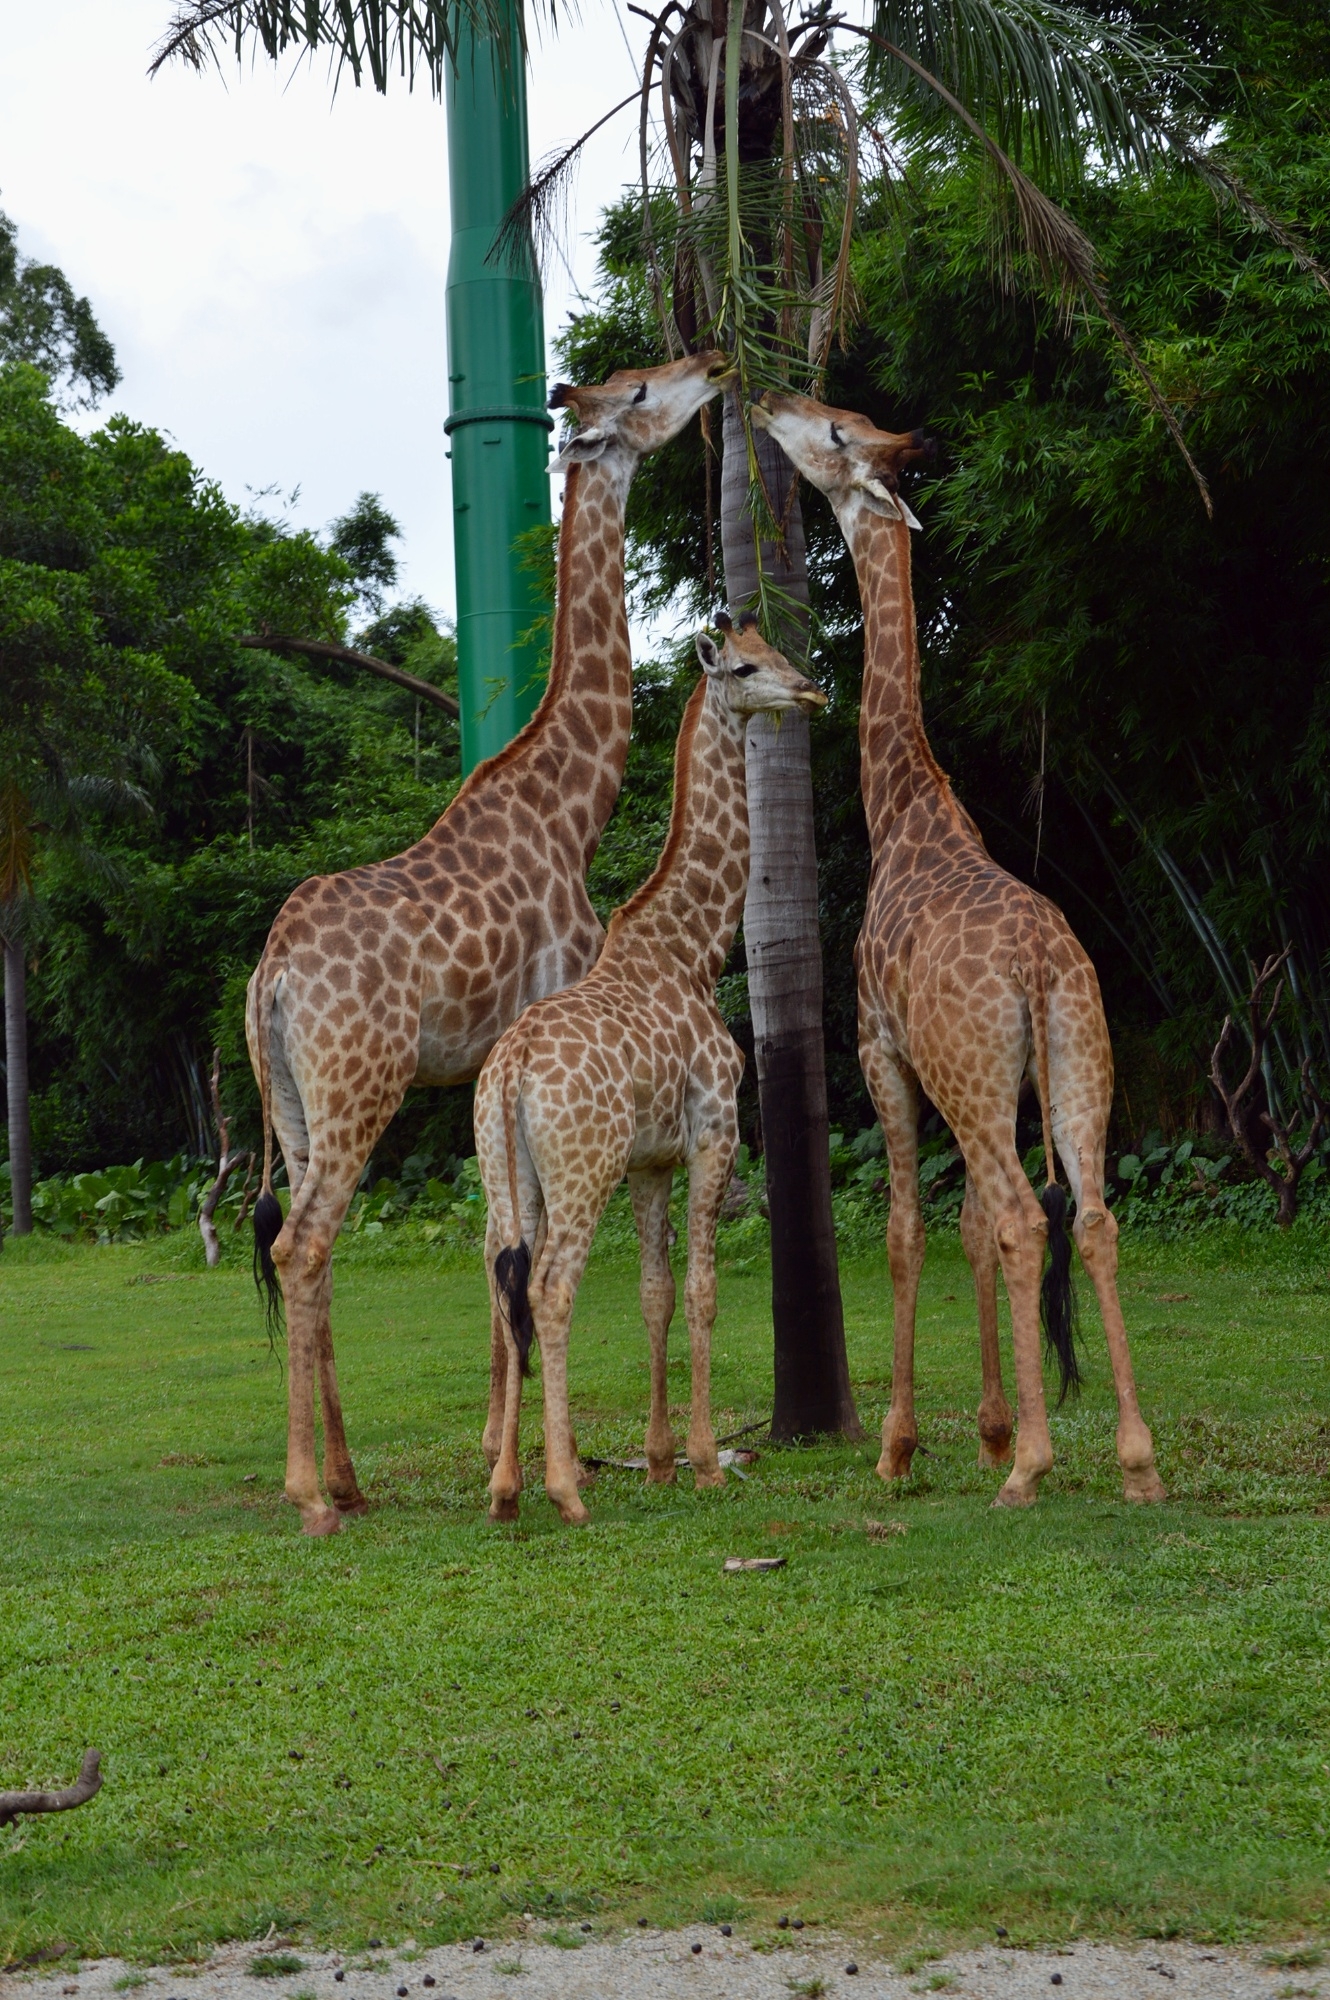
576 743
896 762
691 903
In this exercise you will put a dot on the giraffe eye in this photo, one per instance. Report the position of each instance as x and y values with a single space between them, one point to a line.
836 437
742 673
641 395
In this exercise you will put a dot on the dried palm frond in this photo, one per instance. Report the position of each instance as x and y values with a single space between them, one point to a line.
537 222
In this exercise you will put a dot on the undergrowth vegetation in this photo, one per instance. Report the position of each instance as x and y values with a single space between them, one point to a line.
1167 1188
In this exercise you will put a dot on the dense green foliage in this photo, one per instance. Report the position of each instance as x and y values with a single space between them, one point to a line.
1088 1719
1132 698
127 579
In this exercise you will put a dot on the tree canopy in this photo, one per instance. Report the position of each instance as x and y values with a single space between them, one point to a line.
42 320
1132 699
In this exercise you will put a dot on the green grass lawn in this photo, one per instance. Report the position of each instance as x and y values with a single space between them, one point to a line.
1085 1718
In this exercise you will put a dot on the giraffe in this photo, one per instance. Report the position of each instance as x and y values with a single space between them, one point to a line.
968 982
409 970
632 1071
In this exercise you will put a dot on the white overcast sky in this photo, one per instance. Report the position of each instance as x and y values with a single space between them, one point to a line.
270 261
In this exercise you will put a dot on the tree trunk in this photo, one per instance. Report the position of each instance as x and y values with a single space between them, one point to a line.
812 1376
16 1086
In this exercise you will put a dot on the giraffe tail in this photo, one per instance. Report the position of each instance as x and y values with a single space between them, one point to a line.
1057 1293
512 1266
268 1217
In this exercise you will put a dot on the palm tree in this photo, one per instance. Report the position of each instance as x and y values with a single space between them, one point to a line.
758 145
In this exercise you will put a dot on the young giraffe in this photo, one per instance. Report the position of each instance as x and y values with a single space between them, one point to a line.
408 971
968 982
632 1071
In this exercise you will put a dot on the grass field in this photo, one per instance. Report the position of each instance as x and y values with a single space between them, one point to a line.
1083 1718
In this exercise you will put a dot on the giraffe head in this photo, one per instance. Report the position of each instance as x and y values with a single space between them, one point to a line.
750 676
638 409
855 464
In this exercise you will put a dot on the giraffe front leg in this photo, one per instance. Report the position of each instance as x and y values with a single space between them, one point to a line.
339 1473
1021 1234
708 1177
995 1420
650 1192
895 1099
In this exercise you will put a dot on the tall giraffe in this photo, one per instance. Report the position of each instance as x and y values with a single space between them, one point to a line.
968 982
407 971
632 1071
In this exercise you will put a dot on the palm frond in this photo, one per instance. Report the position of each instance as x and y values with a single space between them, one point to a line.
1225 182
537 221
372 39
1049 82
1058 245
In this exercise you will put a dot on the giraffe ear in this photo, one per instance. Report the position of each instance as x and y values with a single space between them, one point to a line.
580 449
708 652
883 501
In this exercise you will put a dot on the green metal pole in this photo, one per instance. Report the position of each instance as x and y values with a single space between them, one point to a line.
497 424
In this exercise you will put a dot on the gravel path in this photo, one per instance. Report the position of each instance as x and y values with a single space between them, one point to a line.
668 1965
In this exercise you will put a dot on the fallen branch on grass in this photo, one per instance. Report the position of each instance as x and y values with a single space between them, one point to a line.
87 1785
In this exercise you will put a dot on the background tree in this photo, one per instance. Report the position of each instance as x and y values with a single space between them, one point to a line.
79 712
43 321
125 578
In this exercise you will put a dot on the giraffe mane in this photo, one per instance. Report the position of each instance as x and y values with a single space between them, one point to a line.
683 768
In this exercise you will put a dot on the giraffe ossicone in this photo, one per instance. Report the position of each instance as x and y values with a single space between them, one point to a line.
632 1071
969 982
408 971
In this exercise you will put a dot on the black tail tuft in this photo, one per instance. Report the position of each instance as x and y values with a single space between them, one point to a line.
1057 1297
512 1273
268 1220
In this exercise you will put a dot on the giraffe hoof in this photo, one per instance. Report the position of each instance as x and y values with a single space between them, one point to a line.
323 1521
994 1451
504 1507
1017 1493
895 1464
571 1511
716 1478
354 1503
1143 1486
663 1474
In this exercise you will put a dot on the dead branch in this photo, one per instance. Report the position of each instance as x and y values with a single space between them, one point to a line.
347 656
247 1192
1285 1177
87 1785
226 1165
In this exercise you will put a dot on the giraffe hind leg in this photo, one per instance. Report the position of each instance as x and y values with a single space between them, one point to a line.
1080 1145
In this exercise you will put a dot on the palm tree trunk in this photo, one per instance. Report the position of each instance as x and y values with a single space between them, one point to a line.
16 1086
781 937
